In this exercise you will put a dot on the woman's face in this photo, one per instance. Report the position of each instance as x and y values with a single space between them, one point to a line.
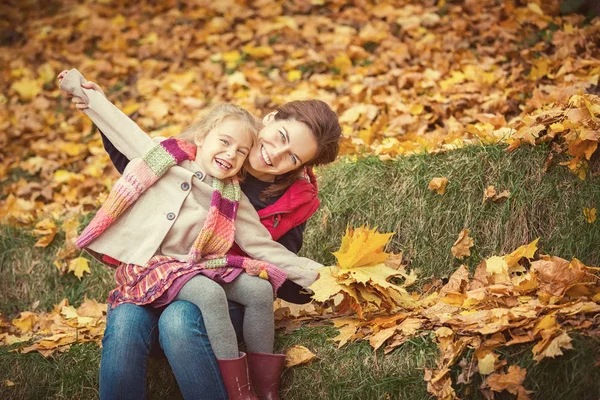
280 147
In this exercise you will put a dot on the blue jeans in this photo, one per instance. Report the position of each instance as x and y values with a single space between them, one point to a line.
133 332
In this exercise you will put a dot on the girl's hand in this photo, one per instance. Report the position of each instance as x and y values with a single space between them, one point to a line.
78 101
61 76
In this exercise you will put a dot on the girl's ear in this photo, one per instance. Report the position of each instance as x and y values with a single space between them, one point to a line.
199 141
269 117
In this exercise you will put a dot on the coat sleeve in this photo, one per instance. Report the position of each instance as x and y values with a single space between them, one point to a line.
255 240
128 138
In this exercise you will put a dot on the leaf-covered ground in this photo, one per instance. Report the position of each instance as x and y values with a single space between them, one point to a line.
405 77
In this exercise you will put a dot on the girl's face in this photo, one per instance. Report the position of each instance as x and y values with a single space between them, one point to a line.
222 152
281 146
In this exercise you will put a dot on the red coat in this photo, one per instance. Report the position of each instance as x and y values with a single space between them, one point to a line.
296 206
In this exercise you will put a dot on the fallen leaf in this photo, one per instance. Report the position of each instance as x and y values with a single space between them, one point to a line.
463 244
362 247
78 266
438 185
298 355
590 215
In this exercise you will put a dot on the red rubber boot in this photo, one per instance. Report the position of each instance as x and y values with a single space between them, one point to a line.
265 370
236 378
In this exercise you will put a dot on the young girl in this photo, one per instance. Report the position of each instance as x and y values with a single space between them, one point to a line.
170 220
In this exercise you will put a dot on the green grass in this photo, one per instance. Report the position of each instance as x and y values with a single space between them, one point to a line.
27 275
393 196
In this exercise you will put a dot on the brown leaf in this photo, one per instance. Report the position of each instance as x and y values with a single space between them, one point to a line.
463 244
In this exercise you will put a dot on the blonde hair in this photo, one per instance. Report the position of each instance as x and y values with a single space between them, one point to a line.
217 115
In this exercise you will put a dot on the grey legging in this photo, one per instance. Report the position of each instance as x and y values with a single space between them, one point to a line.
254 293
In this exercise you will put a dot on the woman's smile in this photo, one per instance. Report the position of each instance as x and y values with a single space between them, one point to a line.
265 156
281 146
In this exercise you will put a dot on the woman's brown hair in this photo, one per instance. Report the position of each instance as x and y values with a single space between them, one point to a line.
325 127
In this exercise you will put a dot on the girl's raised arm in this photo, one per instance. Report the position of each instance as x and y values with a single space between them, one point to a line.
120 130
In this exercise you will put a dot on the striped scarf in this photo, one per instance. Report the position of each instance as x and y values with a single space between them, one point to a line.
144 284
143 173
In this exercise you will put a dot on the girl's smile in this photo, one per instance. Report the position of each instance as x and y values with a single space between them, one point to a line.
222 152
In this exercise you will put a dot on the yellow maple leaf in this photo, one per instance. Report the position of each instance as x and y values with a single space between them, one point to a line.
46 230
258 51
157 109
362 247
71 148
526 251
417 109
294 75
69 312
590 215
342 62
438 185
327 285
78 266
551 345
151 38
231 58
27 88
26 321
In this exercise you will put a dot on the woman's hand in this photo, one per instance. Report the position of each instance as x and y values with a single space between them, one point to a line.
78 101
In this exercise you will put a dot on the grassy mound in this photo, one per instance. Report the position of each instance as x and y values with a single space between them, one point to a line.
394 197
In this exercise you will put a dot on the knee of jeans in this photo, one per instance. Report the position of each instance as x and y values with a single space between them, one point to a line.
128 325
179 321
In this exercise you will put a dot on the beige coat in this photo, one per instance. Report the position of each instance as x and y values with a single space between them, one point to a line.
167 217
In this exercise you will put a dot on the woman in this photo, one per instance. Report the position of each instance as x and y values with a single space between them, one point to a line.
281 186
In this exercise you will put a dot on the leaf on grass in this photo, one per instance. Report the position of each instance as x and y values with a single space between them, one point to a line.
490 194
78 266
91 308
487 364
590 215
298 355
463 244
69 312
438 185
555 275
551 345
511 381
46 230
